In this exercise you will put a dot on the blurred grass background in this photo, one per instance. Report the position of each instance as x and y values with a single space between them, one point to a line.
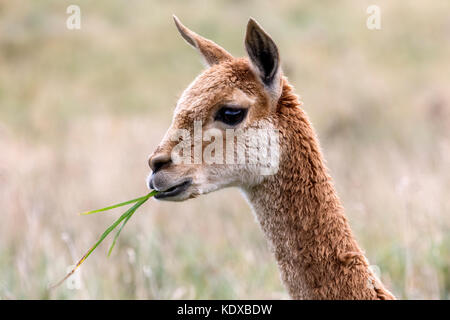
80 110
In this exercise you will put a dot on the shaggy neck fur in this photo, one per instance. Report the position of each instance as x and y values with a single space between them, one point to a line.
302 217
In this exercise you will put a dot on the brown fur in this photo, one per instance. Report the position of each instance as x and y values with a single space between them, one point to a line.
302 217
297 207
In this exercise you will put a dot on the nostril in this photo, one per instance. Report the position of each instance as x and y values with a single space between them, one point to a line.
160 161
150 184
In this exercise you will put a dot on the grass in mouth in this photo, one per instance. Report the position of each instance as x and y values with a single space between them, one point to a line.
122 219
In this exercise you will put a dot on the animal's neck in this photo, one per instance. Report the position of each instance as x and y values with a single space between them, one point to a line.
302 217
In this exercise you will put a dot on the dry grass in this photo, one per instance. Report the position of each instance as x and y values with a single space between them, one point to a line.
81 110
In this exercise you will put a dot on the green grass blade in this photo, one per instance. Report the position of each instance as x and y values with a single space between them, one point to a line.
123 225
114 206
125 216
102 237
108 231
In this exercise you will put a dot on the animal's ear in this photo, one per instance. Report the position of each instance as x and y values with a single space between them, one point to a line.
264 57
212 52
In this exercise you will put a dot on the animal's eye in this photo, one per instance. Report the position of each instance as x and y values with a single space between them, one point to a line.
231 115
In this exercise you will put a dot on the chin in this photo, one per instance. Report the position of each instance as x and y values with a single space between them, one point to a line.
176 198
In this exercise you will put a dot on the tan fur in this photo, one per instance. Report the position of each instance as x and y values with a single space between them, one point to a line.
303 219
297 208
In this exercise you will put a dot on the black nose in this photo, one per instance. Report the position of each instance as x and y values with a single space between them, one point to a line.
160 161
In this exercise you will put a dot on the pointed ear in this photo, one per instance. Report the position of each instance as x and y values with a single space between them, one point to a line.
212 52
264 57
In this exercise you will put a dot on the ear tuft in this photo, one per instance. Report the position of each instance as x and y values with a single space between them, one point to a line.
263 52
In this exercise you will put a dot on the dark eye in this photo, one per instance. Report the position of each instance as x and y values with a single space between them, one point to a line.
231 115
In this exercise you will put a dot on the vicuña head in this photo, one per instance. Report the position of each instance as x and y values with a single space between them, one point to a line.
287 184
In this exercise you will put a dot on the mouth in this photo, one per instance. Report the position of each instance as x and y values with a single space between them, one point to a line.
174 190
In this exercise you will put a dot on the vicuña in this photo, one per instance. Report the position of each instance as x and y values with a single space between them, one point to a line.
297 207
